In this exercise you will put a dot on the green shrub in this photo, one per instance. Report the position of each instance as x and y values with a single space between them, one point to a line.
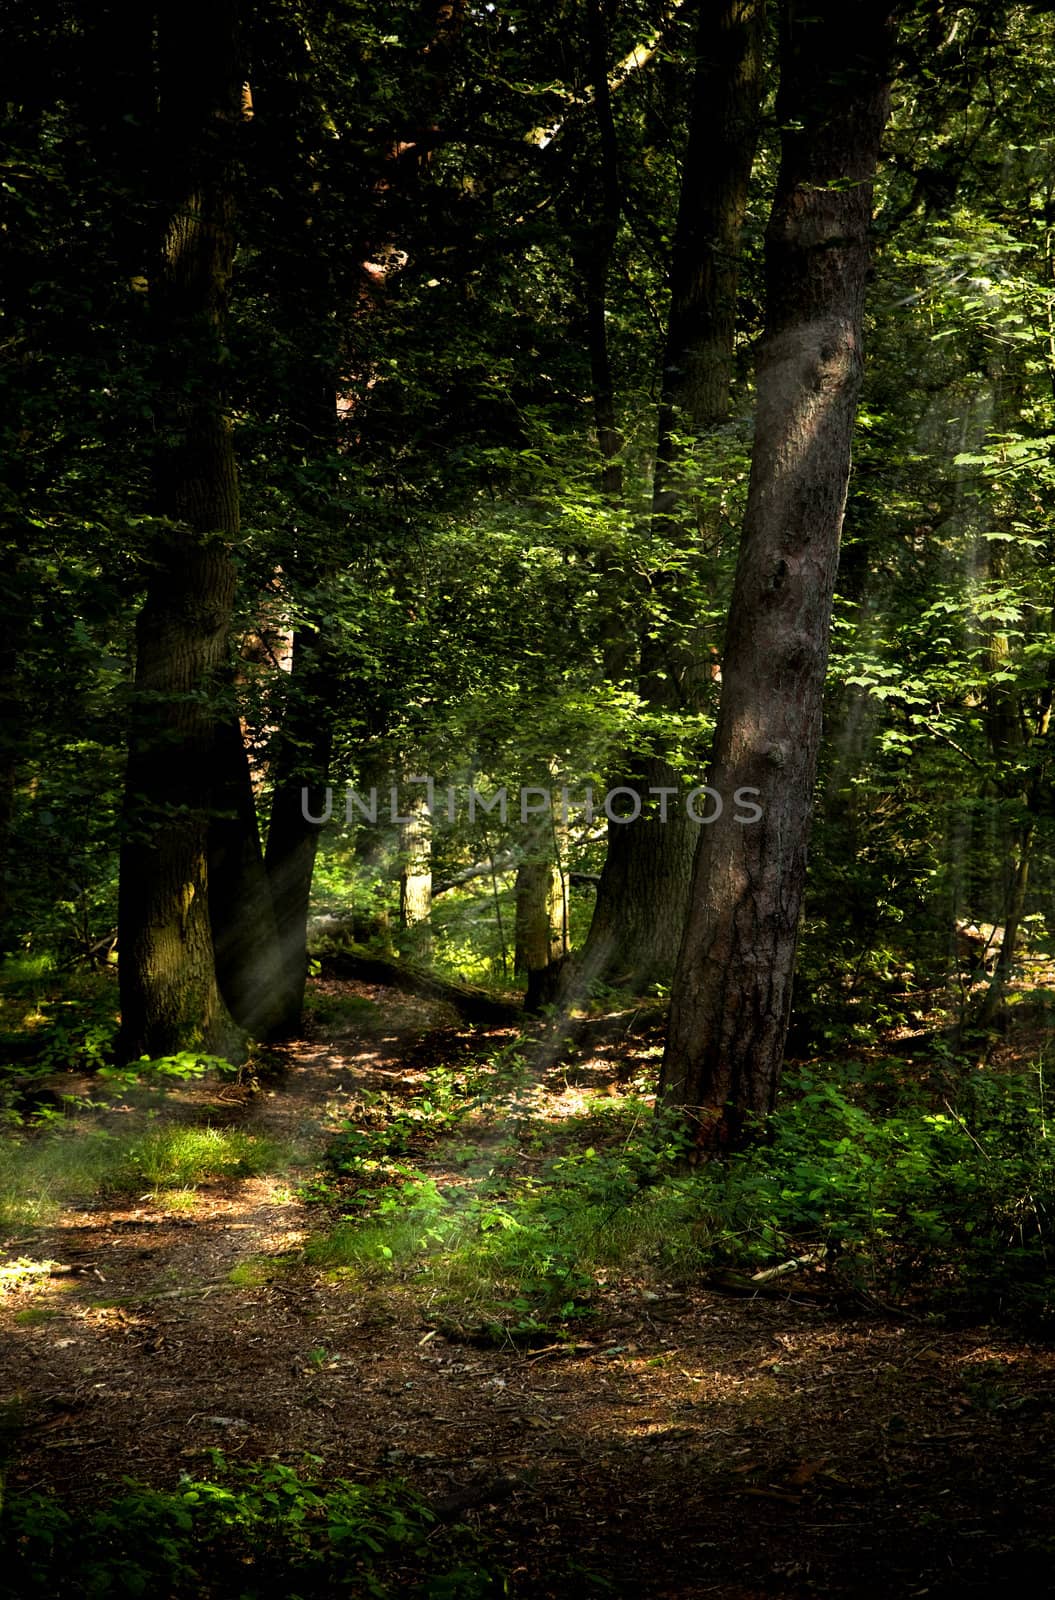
957 1204
261 1532
951 1206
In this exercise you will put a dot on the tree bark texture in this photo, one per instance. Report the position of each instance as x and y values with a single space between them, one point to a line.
291 124
731 998
170 1000
643 894
251 968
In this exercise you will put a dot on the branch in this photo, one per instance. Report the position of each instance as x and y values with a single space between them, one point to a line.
637 58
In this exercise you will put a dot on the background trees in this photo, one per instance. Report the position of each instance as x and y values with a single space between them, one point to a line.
419 391
484 572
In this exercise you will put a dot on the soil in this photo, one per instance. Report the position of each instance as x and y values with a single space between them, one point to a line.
691 1443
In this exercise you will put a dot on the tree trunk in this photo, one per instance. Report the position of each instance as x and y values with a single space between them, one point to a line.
169 995
541 918
251 968
1014 913
732 991
12 715
301 769
415 878
475 1004
292 127
644 889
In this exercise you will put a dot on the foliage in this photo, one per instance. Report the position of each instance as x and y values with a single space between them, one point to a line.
259 1531
952 1207
947 1203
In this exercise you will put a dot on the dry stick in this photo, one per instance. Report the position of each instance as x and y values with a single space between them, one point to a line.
794 1265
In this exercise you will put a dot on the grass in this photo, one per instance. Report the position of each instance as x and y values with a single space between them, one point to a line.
255 1272
510 1250
26 974
75 1164
34 1315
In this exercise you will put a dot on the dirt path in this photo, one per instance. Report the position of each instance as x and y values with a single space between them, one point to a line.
690 1444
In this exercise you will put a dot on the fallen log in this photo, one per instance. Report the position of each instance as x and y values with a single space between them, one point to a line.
476 1005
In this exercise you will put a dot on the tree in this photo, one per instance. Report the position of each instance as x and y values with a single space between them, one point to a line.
291 126
170 1000
731 1000
643 893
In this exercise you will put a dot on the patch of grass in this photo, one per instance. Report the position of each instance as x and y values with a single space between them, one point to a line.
177 1201
76 1163
255 1272
26 974
405 1222
520 1261
34 1315
178 1157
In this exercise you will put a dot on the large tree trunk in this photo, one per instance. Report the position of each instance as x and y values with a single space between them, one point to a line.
12 715
643 893
169 995
732 992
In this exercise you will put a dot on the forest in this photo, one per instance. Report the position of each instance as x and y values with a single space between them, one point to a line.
527 799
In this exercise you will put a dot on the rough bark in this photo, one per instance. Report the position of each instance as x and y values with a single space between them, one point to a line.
731 998
643 893
290 121
169 996
12 715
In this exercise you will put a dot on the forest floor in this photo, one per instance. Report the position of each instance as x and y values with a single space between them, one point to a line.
686 1443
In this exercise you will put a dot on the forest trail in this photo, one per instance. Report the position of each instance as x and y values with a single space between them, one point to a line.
687 1443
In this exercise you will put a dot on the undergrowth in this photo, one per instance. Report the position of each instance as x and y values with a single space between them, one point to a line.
947 1206
74 1162
261 1532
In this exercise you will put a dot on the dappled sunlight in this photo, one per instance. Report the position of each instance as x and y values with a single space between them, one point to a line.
512 1319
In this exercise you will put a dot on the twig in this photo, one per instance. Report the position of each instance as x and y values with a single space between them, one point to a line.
794 1265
